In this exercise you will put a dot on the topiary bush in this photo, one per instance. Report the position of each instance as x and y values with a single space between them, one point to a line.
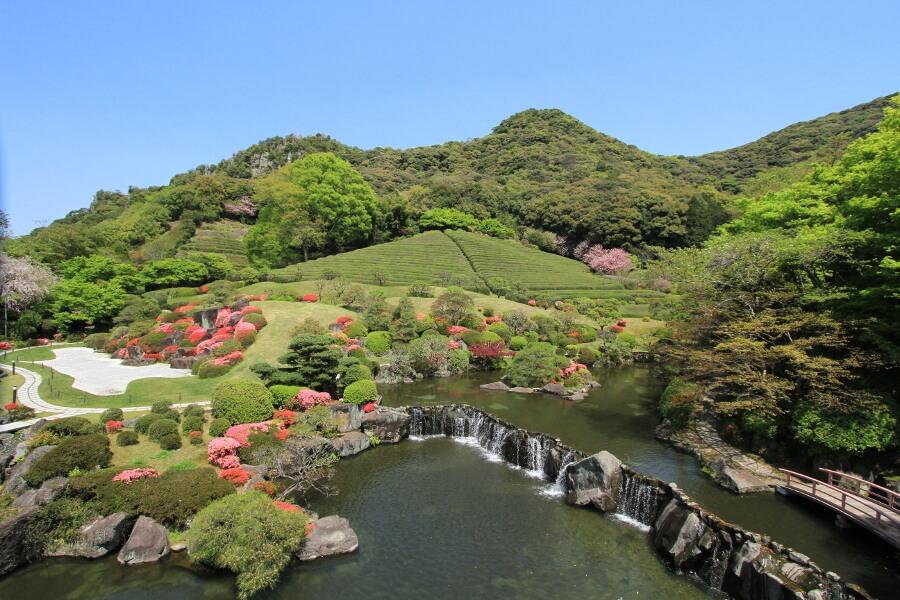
84 452
143 423
160 408
194 410
282 394
378 342
501 329
72 426
587 356
356 330
517 342
209 369
192 423
126 438
361 392
255 319
535 365
112 414
97 341
170 441
160 428
677 402
355 372
218 427
171 499
242 402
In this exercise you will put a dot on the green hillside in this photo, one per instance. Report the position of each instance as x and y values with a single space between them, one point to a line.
222 237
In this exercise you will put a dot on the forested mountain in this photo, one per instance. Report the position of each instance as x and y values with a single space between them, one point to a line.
538 168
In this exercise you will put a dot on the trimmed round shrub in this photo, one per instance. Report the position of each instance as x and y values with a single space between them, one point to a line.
112 414
255 319
283 394
378 342
209 369
501 329
517 342
97 341
161 407
194 410
170 441
587 356
356 330
83 452
471 337
218 427
355 373
246 338
242 402
162 427
191 423
143 423
126 438
72 426
227 348
488 337
361 392
196 440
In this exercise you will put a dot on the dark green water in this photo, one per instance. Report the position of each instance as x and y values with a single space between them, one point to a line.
434 519
619 417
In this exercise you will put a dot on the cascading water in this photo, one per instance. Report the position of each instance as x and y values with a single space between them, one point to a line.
537 455
558 487
637 501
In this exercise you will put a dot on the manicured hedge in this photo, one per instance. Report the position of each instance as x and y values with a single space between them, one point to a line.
361 392
144 422
190 424
378 342
112 414
170 441
84 452
242 402
283 394
218 427
194 410
127 438
161 428
255 319
70 426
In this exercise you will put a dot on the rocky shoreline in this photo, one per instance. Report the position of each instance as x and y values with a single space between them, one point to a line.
723 557
556 389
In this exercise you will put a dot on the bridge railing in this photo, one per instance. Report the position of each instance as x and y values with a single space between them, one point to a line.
852 505
880 495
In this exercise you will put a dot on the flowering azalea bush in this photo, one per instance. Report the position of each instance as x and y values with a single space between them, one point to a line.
621 322
344 320
266 487
232 358
242 432
132 475
532 302
250 309
617 328
10 406
204 289
222 452
43 341
287 506
453 345
113 426
287 417
457 329
236 475
6 346
307 399
369 407
185 308
310 297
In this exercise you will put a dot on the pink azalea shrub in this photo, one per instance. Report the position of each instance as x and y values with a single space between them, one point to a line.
132 475
420 316
457 329
532 302
250 309
287 417
307 399
196 336
232 358
310 297
113 426
352 347
241 433
222 452
223 316
453 345
572 369
43 341
166 328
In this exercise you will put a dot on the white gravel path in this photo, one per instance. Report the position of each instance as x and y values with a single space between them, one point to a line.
98 374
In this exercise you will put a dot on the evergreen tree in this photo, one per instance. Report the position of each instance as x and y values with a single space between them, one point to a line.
403 328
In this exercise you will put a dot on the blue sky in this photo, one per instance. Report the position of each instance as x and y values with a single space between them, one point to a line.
107 94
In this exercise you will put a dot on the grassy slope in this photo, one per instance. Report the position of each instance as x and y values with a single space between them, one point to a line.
223 237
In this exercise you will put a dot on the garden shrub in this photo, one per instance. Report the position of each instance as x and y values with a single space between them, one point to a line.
227 348
255 319
459 360
97 341
489 337
355 372
161 408
194 410
43 438
153 341
196 438
535 365
112 414
378 342
84 452
517 342
242 402
248 535
283 394
501 329
218 427
171 499
126 438
420 290
854 433
192 423
587 356
356 330
471 337
56 523
170 441
143 423
677 402
160 428
209 369
72 426
361 392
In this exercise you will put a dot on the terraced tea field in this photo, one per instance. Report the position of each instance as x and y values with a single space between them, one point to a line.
222 237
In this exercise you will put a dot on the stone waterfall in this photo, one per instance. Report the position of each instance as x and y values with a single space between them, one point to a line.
723 557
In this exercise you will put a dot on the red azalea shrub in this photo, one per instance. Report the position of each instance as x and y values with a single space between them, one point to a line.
232 358
241 433
310 297
204 289
222 452
166 328
113 426
266 487
250 309
453 345
307 399
457 329
185 308
43 341
223 316
287 506
236 475
132 475
344 320
6 346
286 416
152 355
491 320
281 435
369 407
132 342
532 302
195 434
617 328
621 322
489 350
10 406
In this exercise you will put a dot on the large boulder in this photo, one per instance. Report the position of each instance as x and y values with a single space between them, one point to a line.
347 416
388 424
182 362
677 532
97 538
595 480
298 449
495 385
13 533
330 536
557 389
7 450
148 542
257 475
15 484
33 498
350 443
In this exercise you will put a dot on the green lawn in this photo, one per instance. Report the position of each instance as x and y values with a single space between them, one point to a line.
6 386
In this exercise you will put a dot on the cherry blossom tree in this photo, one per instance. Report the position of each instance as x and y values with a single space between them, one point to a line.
22 283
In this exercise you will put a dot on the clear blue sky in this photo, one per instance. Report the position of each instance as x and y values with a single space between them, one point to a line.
107 94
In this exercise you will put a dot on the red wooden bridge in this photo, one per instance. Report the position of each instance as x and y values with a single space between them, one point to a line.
872 506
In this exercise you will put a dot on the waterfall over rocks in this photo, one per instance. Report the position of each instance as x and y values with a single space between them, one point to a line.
720 555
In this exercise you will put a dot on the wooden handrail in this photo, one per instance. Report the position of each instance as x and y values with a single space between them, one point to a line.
885 496
831 500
